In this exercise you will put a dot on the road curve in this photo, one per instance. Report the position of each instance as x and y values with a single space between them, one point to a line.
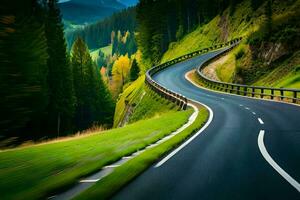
226 160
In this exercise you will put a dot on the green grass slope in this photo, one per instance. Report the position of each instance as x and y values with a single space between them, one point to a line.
138 102
95 52
122 175
257 60
36 171
222 28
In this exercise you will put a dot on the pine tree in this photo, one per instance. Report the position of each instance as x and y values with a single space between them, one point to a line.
101 61
134 70
23 71
60 79
94 103
268 12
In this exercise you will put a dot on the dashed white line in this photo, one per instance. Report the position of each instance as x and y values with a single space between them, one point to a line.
247 108
270 160
241 105
222 98
253 113
260 120
211 115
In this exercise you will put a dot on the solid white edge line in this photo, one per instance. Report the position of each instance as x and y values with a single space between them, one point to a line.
210 118
190 139
270 160
260 120
89 181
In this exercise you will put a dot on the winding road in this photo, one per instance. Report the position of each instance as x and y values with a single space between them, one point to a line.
250 149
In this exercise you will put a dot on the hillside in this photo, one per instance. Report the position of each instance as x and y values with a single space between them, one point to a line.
36 171
98 34
90 11
260 59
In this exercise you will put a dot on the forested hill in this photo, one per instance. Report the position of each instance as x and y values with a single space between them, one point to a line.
85 11
164 22
99 34
44 91
269 54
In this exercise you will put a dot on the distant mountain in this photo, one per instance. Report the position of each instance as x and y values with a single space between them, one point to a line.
88 11
128 3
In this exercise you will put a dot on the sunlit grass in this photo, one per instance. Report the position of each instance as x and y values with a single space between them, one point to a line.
109 185
34 172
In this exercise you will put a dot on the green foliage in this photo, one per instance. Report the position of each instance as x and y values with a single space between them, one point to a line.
34 172
99 34
163 22
134 70
101 60
240 53
60 78
131 96
94 103
23 71
269 22
179 33
123 44
122 175
151 105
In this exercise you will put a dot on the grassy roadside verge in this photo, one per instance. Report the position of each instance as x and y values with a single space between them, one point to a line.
36 171
122 175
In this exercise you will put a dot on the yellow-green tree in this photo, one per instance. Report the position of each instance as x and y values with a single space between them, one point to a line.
120 72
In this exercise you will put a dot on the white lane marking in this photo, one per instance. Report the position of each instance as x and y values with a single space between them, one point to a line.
247 108
260 120
127 157
241 105
253 113
211 115
270 160
222 98
111 166
89 181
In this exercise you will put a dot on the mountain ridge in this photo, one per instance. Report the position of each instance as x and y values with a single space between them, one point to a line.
88 11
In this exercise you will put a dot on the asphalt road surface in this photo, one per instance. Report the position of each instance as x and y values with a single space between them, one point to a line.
250 150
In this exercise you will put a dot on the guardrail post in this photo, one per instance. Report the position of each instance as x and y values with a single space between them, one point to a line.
253 92
272 94
238 90
262 93
245 91
281 94
295 97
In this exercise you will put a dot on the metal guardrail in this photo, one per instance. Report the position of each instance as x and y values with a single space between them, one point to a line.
281 94
174 97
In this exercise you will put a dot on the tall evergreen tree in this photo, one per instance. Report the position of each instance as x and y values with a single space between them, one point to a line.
23 71
60 79
268 12
134 70
94 103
